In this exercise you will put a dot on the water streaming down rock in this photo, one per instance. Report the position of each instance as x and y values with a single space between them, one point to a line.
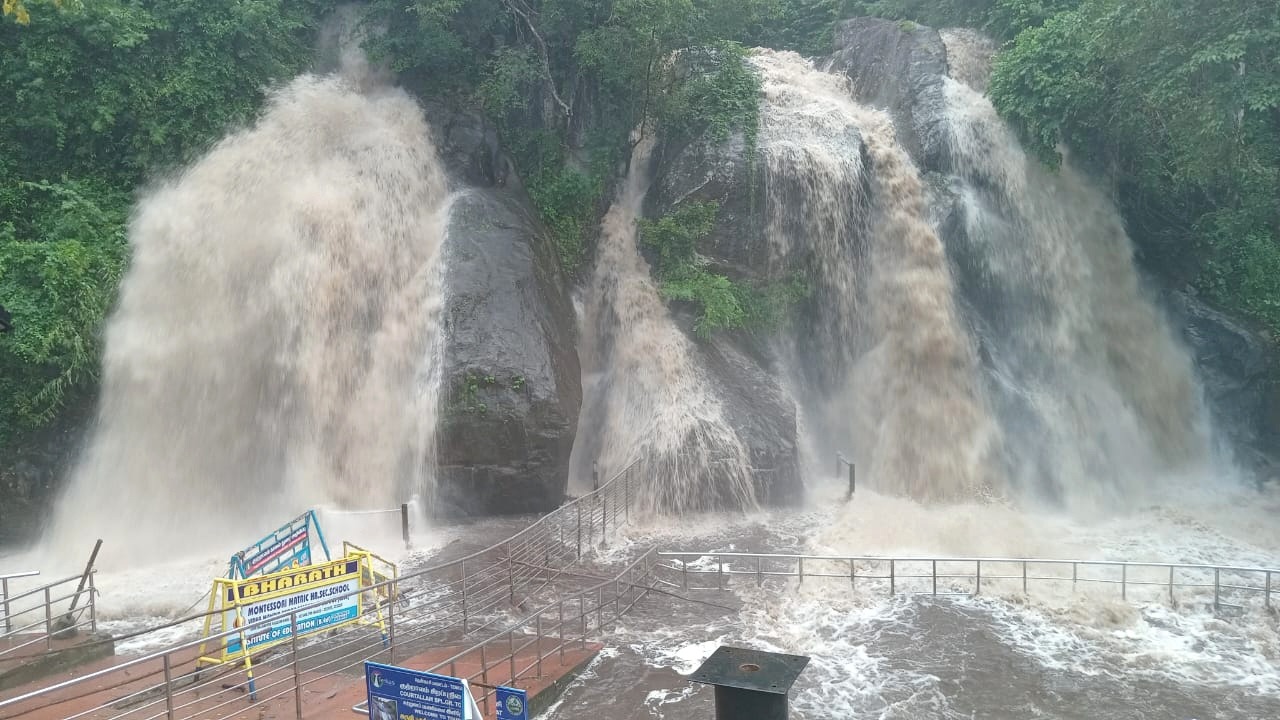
1098 399
646 395
276 343
841 192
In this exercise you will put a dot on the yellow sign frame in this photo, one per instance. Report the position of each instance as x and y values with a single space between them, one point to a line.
302 586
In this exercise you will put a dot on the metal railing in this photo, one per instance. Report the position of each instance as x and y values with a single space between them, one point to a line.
471 602
36 617
1222 585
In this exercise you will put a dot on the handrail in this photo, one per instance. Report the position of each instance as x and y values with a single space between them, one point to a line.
25 573
1037 561
504 563
1267 587
44 607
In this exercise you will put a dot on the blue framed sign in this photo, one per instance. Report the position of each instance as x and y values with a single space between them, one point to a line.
397 693
513 704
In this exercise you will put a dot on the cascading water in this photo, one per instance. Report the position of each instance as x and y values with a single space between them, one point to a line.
1021 354
843 194
276 344
1097 400
645 395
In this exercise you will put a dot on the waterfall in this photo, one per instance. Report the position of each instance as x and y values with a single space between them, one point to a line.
1098 399
982 331
646 396
896 368
276 345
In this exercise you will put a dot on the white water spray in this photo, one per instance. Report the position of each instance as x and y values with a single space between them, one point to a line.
276 344
646 396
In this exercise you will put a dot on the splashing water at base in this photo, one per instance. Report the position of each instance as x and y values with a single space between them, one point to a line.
276 344
645 395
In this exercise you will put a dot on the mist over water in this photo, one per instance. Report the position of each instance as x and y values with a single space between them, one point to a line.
276 345
645 395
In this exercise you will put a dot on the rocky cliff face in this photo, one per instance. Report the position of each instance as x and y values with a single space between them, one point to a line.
511 388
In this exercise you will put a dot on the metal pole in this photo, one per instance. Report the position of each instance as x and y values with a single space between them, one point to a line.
579 506
4 591
935 577
759 575
511 650
1268 599
800 570
538 643
719 573
977 590
1124 582
404 525
853 482
511 574
1024 577
595 476
1216 585
297 674
93 605
684 573
853 574
168 688
464 596
892 573
1170 584
484 677
48 620
391 621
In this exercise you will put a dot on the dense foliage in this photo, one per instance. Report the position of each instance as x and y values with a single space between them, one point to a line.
722 303
96 98
1177 101
566 81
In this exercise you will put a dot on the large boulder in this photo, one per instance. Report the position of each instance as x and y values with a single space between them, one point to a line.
511 385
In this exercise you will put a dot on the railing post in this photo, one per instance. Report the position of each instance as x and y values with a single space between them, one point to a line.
935 577
464 596
759 574
391 620
800 571
93 604
1075 575
600 611
168 688
853 574
297 674
511 574
1024 577
484 674
404 525
892 579
719 573
511 650
1216 585
1170 584
1268 598
48 620
4 593
579 507
537 639
977 588
1124 581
